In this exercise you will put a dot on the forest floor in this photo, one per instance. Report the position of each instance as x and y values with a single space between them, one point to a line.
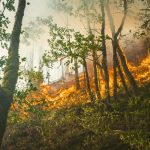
68 121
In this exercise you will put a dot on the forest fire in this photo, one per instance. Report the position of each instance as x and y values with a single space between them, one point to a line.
77 79
49 97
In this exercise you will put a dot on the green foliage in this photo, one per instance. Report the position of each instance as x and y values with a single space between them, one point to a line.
3 61
6 5
68 44
35 78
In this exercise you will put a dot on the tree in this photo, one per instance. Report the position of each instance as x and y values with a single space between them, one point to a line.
62 47
95 59
104 52
67 44
88 10
85 10
144 18
76 73
117 49
11 70
83 48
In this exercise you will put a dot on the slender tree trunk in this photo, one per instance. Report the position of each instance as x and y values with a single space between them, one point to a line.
99 78
88 82
126 69
115 84
101 69
114 39
95 75
123 79
84 78
94 55
11 70
104 59
119 50
76 74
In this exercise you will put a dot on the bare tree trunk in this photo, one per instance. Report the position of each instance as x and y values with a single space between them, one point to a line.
115 35
84 78
11 70
94 55
104 52
126 70
95 75
88 82
123 79
114 39
101 69
115 84
76 74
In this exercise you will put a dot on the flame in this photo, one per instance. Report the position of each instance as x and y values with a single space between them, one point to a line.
48 97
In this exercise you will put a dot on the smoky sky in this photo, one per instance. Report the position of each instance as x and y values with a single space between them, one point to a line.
44 8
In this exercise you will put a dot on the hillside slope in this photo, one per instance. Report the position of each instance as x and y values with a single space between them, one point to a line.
69 121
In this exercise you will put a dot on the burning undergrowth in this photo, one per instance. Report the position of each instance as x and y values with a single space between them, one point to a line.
67 120
50 97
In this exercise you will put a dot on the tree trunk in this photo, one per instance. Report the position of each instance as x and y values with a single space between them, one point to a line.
88 82
94 55
116 43
123 79
104 59
84 78
101 69
3 122
76 74
114 40
115 85
11 70
126 69
4 107
95 75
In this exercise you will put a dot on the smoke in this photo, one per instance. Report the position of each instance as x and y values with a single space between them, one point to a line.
45 8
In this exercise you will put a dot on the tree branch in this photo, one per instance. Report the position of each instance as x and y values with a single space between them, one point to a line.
123 19
111 21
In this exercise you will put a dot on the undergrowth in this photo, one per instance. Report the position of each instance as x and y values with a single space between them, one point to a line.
84 126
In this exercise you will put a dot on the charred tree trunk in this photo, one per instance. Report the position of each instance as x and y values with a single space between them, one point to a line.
126 70
76 74
88 82
104 52
11 70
